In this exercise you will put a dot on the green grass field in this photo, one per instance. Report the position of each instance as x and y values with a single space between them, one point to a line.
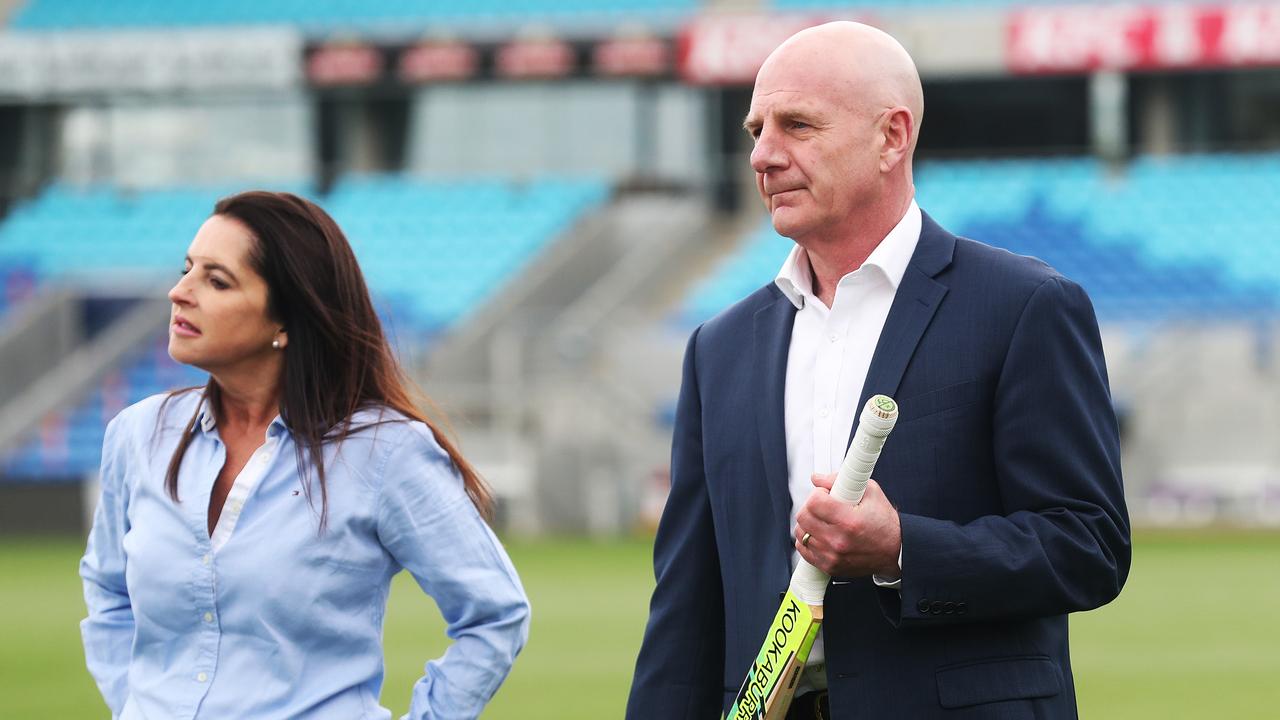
1196 633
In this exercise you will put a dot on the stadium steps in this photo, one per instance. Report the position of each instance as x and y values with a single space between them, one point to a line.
433 250
603 368
625 257
72 370
32 335
538 361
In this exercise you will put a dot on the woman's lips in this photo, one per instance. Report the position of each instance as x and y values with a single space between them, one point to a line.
184 328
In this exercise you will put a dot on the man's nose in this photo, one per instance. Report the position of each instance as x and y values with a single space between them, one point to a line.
768 153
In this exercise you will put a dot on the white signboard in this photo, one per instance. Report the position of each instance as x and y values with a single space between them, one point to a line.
39 65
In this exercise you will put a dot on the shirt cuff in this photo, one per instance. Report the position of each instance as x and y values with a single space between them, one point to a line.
891 583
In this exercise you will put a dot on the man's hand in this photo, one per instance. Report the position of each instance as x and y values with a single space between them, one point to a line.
850 541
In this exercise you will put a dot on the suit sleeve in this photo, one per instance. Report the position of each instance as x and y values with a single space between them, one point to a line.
108 630
680 669
1062 543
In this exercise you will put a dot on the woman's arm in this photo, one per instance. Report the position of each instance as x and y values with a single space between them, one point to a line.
428 523
108 630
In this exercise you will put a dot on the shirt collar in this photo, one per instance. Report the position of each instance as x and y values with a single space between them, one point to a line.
207 420
891 257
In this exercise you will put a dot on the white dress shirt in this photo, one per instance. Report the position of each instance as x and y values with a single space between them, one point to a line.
827 364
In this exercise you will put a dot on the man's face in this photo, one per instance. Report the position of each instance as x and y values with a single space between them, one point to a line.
816 155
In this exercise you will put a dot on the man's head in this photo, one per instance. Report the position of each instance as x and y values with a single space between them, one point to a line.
835 116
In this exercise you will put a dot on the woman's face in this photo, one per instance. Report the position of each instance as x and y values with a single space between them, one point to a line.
219 320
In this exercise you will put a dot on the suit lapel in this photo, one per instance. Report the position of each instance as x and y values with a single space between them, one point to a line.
913 307
772 344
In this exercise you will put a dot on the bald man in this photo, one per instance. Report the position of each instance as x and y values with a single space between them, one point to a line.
996 507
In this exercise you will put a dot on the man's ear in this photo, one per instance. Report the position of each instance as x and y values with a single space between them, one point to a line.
898 127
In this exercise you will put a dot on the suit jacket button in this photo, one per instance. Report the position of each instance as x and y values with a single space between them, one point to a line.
948 608
961 608
935 607
923 606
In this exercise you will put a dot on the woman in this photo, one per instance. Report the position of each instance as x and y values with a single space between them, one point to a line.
240 558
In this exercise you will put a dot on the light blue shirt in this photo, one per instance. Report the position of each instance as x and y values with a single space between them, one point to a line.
276 619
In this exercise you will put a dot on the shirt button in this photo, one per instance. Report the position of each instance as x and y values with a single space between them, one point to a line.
208 617
833 337
202 677
204 560
823 412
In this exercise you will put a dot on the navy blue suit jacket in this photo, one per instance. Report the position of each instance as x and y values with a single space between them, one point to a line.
1004 466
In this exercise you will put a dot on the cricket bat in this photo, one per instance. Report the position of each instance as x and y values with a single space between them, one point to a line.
771 682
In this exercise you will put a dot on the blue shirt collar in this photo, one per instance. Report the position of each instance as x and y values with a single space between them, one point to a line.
207 420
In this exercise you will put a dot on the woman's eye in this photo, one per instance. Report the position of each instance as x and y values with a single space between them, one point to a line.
218 284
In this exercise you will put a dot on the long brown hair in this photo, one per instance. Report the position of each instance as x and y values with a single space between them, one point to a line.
338 360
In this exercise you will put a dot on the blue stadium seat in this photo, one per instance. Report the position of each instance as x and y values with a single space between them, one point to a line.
440 246
1189 237
935 4
69 445
431 250
328 15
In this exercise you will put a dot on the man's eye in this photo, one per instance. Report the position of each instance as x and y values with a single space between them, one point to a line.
797 125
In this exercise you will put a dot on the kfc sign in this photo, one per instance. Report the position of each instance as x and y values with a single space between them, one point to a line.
1124 37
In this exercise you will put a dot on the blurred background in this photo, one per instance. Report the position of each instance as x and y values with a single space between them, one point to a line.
547 196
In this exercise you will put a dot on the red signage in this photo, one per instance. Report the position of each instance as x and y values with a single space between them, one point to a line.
345 64
729 49
1124 37
534 59
631 56
438 61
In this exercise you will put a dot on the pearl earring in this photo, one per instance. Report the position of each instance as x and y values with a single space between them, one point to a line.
275 344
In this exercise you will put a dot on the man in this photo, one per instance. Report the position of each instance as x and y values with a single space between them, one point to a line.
997 505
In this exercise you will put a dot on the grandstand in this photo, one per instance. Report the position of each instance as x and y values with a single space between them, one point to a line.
1149 244
430 252
547 196
345 16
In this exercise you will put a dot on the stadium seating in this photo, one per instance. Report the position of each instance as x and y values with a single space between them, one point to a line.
936 4
100 232
431 251
68 445
436 249
1191 237
320 15
17 283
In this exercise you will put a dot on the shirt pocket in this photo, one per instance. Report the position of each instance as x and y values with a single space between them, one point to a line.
998 679
351 558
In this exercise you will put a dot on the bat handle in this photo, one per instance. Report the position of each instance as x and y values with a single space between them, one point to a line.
877 420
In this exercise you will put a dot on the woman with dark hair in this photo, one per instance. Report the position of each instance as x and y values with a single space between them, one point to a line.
248 531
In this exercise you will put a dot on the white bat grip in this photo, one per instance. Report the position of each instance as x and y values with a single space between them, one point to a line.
878 418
